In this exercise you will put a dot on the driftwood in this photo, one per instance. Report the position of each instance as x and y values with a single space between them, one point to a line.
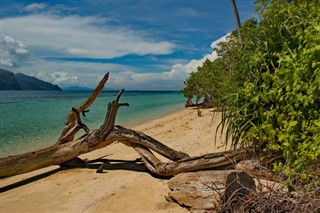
206 103
67 148
255 169
206 190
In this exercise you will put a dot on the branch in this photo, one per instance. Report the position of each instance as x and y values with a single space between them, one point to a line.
111 115
124 134
188 164
73 117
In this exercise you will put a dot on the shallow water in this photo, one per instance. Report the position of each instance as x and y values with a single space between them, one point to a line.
31 120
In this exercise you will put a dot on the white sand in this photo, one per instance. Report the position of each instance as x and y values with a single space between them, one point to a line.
124 187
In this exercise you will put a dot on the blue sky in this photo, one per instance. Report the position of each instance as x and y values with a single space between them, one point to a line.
144 44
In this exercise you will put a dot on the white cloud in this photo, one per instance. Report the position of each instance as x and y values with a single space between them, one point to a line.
67 73
178 73
143 77
182 71
121 78
56 77
34 7
75 36
222 39
12 51
61 77
88 74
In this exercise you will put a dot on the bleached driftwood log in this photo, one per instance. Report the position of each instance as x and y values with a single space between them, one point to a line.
68 148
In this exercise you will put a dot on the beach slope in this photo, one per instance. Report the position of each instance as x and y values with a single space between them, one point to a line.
125 185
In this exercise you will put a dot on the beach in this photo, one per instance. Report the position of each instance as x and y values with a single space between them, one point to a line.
125 185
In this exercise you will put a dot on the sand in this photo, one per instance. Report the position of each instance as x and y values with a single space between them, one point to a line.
125 186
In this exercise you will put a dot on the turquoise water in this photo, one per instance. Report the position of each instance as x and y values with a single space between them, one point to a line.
34 119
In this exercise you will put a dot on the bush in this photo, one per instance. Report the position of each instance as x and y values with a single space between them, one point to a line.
269 86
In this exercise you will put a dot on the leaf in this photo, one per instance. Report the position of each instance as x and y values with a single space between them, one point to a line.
317 123
293 123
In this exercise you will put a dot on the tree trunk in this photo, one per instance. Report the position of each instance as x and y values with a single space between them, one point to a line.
237 19
189 103
207 102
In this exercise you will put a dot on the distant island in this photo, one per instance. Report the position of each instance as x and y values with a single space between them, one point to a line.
19 81
77 88
86 89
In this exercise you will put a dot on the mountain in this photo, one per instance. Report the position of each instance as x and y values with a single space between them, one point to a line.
8 81
33 83
19 81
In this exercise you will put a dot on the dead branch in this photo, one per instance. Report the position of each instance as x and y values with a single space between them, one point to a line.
189 164
73 117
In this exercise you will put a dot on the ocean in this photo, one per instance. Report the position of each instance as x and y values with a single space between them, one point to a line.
30 120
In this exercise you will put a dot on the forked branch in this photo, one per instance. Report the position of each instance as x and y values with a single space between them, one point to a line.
73 121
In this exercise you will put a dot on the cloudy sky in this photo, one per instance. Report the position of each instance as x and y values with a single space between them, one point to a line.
144 44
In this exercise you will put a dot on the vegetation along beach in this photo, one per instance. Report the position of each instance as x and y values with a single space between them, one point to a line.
122 107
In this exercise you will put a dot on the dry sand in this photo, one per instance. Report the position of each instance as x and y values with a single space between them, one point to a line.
125 186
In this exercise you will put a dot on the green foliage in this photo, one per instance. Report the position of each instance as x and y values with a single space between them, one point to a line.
285 100
269 86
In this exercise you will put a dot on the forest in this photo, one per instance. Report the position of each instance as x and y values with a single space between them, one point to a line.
268 86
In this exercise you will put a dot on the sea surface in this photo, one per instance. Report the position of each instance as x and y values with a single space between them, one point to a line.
31 120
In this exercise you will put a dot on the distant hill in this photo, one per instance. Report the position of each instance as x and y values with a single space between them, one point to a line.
80 88
77 88
8 81
19 81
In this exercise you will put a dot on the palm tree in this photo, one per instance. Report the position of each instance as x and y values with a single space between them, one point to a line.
236 16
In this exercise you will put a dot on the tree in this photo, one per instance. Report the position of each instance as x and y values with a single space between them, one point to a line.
268 86
236 16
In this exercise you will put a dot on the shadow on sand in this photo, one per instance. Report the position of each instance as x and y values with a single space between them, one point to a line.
108 165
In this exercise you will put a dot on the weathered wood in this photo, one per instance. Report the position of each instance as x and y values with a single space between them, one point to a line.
60 153
190 164
67 148
204 190
73 163
255 169
73 118
207 161
135 137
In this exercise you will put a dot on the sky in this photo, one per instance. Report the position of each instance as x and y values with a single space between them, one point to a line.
143 44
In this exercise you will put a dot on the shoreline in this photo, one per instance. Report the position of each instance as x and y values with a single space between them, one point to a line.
49 142
156 117
32 123
124 186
